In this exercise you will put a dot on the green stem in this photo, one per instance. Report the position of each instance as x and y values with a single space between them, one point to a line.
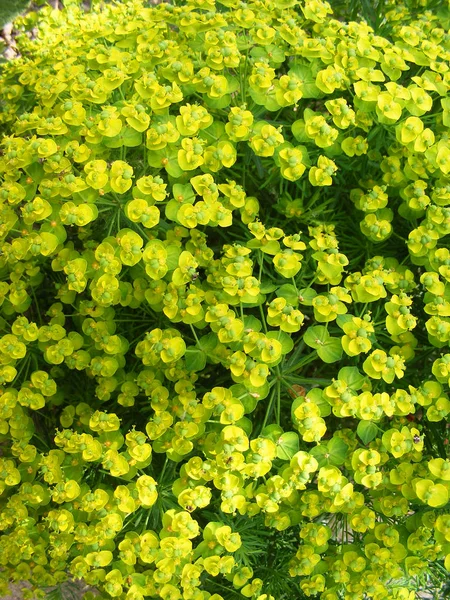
227 589
261 261
111 226
161 477
149 512
263 318
37 306
24 364
242 311
269 409
43 442
278 407
437 439
115 476
145 160
306 360
311 380
194 334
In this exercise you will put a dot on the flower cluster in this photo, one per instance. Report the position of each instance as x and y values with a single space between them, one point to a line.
225 300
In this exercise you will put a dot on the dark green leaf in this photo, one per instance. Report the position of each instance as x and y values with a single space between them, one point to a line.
330 351
289 293
195 359
128 137
287 445
352 377
320 453
367 431
337 450
343 319
273 432
171 211
306 296
208 342
246 397
252 322
267 287
245 424
315 337
183 193
173 254
298 131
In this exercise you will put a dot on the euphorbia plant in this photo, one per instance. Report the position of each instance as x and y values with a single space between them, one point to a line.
225 300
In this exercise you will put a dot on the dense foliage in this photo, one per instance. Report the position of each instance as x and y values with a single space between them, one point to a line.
225 300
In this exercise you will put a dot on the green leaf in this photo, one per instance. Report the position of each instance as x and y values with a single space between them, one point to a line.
233 83
128 137
28 473
172 208
289 293
208 342
316 336
267 287
249 396
298 131
320 453
173 254
195 359
305 155
306 296
308 76
273 432
287 445
270 101
249 403
139 579
367 431
284 338
316 395
251 322
155 159
352 377
337 450
258 301
245 424
114 439
184 194
272 53
222 102
343 319
35 171
214 133
333 453
256 160
331 351
9 9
